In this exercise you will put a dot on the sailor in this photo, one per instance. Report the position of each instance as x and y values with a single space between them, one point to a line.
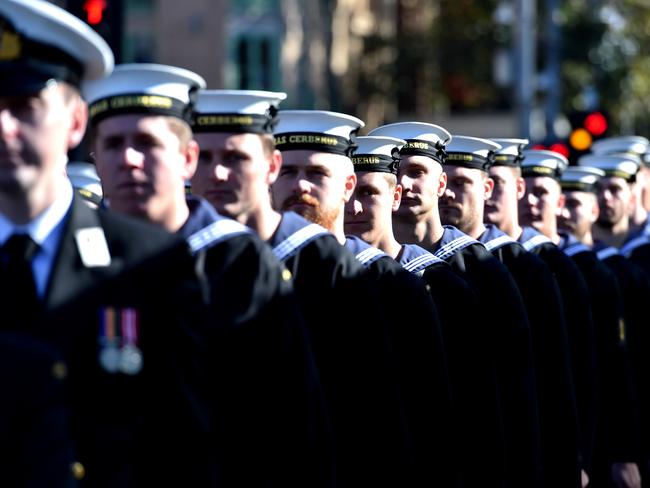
619 452
315 181
418 221
268 412
637 147
368 215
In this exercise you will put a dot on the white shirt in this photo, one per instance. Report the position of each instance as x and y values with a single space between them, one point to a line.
45 230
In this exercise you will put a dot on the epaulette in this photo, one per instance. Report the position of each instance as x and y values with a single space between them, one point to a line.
455 246
498 242
215 233
421 263
536 241
296 241
631 246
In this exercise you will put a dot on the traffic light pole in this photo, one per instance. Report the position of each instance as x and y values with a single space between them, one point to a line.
525 62
552 60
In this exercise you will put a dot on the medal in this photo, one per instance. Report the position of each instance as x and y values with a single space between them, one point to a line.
131 355
130 360
109 352
109 358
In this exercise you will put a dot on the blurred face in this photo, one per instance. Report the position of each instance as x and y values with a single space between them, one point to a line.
368 214
541 204
463 200
422 182
141 164
234 172
501 207
614 200
315 185
579 213
36 132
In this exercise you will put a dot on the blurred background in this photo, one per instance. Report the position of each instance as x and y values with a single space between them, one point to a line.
560 72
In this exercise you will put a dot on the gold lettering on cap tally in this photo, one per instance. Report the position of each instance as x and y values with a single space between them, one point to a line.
365 160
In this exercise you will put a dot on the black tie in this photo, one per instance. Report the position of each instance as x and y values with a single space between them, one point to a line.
20 303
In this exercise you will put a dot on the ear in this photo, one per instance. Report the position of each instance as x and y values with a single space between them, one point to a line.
350 184
442 184
561 200
190 159
633 198
275 163
488 186
78 123
595 212
521 187
397 197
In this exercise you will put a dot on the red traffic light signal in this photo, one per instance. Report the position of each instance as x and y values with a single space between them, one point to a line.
596 123
558 147
94 11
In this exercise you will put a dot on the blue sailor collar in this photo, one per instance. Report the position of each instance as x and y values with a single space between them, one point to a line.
493 238
531 238
202 214
364 252
416 259
293 233
603 250
290 223
570 245
452 241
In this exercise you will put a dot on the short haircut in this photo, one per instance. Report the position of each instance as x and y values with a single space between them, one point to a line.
268 144
391 179
181 129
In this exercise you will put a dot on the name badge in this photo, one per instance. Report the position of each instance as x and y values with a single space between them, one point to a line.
93 248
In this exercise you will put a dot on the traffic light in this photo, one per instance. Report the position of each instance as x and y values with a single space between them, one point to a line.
586 127
558 147
105 16
94 11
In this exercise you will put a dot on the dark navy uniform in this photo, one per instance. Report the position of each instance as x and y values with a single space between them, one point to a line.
625 429
616 397
580 329
36 448
458 308
130 355
271 423
351 345
416 339
506 332
557 405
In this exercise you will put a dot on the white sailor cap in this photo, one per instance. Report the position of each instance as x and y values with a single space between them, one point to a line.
581 178
84 179
614 165
41 43
621 144
146 89
316 130
239 111
471 152
377 154
422 139
510 153
541 162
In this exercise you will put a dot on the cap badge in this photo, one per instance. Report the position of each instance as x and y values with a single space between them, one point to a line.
11 46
